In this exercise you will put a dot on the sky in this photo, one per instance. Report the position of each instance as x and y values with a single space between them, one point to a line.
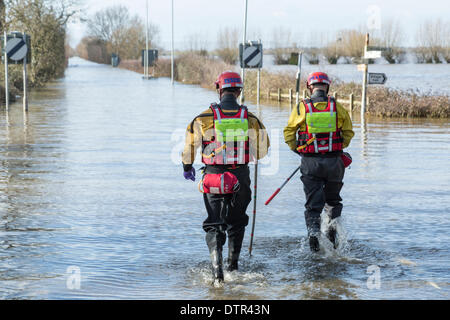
304 21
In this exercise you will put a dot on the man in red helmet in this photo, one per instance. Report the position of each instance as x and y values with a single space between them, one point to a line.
230 137
318 129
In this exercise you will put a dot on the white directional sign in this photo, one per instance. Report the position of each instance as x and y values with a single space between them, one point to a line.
372 54
377 78
16 49
251 55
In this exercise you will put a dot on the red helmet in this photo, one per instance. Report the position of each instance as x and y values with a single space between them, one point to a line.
318 77
229 79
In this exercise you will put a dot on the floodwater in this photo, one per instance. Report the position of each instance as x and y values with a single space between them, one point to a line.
94 204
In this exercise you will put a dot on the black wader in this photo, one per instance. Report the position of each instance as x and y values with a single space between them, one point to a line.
226 215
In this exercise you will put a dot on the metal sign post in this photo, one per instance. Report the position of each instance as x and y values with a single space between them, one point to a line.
171 54
146 46
364 84
244 40
258 88
25 81
297 85
6 73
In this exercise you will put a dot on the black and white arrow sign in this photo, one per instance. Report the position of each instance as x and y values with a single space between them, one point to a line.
377 78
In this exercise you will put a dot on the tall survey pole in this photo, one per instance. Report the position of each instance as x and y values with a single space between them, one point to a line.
171 56
244 40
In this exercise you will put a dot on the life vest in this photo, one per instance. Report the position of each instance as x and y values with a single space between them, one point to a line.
322 134
230 144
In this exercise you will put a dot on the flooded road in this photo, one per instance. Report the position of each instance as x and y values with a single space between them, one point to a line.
94 204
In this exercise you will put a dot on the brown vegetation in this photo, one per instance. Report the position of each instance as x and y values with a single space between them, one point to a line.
385 102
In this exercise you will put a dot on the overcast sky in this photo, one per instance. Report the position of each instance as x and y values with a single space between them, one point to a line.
305 19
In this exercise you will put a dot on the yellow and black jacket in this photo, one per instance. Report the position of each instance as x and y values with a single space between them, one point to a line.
201 129
297 121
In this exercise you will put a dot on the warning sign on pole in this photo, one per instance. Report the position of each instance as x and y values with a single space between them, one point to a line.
17 47
251 55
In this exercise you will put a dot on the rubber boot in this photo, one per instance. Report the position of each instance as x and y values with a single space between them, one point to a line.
331 235
314 243
235 238
217 265
233 258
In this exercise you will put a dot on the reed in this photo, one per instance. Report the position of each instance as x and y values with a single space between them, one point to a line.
385 102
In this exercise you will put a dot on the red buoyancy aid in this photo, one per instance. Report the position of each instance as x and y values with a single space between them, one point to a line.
320 142
234 150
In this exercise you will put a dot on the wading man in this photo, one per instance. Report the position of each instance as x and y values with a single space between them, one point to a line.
318 129
230 137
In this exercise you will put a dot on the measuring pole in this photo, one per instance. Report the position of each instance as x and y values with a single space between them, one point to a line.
244 40
171 56
364 84
299 70
6 74
25 79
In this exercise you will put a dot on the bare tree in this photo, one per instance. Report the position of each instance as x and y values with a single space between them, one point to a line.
197 43
391 36
281 44
227 45
432 38
123 34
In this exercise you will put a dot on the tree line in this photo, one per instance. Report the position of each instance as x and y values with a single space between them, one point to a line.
114 30
432 44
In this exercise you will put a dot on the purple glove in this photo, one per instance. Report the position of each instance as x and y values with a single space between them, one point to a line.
190 174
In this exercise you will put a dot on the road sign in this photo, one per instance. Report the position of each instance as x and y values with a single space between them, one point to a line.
16 49
372 54
251 55
377 78
152 57
18 46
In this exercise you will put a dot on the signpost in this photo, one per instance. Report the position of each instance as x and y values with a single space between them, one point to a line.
370 52
298 78
16 49
251 55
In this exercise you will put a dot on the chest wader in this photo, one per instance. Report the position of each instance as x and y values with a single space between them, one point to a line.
228 151
322 168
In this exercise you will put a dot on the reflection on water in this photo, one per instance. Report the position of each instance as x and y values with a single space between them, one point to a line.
87 180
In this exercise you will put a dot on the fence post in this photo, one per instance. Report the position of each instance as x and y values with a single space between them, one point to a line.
351 105
304 93
279 94
268 94
290 96
335 95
